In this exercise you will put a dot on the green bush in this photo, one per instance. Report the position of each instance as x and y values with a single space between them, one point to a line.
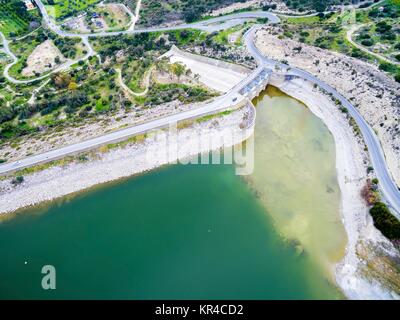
367 42
385 222
388 67
17 180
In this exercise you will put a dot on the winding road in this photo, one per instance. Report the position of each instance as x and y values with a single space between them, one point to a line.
64 66
210 25
349 36
386 183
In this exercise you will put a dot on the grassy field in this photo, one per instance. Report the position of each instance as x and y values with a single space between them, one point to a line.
15 19
61 9
115 17
303 20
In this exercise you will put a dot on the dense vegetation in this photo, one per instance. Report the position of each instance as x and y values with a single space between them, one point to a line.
15 20
91 89
62 9
323 5
22 49
385 221
155 12
381 31
131 4
162 93
329 31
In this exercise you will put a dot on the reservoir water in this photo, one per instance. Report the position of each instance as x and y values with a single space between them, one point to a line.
194 231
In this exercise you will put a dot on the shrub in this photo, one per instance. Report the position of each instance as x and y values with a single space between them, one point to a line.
367 42
369 194
388 67
385 222
356 53
17 180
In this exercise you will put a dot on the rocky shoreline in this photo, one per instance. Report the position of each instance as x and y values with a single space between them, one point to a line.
352 273
105 165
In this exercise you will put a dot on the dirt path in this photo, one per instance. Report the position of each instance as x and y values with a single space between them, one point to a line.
146 82
135 17
349 36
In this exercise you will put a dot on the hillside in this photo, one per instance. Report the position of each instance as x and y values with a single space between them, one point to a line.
156 12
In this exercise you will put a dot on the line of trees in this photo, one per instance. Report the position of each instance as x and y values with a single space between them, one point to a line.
385 221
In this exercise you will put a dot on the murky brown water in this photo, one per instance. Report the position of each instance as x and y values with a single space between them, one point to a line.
295 176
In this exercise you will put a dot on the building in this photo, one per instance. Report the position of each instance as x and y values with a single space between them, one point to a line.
29 5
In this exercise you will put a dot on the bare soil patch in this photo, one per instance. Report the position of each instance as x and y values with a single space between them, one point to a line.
43 59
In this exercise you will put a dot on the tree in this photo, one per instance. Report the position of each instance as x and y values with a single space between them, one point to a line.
178 69
17 180
61 79
72 86
367 42
162 65
385 222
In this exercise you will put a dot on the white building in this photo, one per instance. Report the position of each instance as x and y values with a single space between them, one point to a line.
29 5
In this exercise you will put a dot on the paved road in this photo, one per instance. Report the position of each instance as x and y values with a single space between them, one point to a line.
219 104
210 25
64 66
386 183
6 49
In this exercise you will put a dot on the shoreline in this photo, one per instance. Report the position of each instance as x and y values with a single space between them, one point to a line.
124 162
57 181
351 167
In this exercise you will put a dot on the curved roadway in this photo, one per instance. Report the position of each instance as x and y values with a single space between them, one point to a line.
64 66
386 183
211 25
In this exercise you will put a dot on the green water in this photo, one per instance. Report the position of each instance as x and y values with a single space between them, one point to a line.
184 232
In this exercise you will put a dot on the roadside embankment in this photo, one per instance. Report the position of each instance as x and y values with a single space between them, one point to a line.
140 154
355 274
